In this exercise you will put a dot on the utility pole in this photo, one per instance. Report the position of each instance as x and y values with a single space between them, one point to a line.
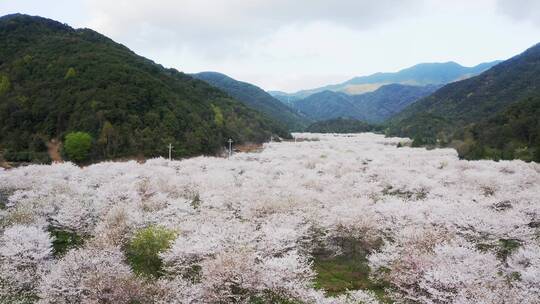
170 150
230 147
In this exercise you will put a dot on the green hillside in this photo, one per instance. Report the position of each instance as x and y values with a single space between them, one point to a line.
327 105
513 133
55 79
484 105
256 98
386 101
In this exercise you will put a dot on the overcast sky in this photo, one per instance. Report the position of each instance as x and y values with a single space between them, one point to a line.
290 45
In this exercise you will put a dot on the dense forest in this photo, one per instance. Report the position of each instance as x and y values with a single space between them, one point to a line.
55 80
257 99
327 105
492 115
513 133
341 125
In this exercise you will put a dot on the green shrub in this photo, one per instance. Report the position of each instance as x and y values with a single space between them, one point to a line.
4 84
77 145
70 73
144 249
64 241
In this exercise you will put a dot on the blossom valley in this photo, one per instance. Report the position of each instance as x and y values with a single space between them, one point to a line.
416 225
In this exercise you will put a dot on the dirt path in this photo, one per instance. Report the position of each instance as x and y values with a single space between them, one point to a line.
53 148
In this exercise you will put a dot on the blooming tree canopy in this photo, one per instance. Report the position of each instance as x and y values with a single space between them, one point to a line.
437 229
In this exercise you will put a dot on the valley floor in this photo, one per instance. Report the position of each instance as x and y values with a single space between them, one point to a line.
332 219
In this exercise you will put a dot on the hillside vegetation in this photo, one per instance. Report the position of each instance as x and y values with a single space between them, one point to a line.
55 79
327 105
513 133
501 99
257 99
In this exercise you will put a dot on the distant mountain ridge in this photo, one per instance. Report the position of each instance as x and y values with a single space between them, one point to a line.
256 98
373 107
421 74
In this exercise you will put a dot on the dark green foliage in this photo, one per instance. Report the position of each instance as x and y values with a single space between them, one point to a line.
390 99
61 80
4 84
327 105
507 247
502 249
341 125
77 145
64 241
513 133
493 115
144 248
256 98
271 298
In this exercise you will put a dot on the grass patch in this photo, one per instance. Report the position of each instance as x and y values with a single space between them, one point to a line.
502 249
507 247
338 274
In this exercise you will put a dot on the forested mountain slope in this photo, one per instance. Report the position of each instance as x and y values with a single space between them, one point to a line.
257 99
389 99
479 101
55 79
327 105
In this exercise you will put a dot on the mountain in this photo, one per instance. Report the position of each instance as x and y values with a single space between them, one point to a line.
447 114
55 79
327 105
256 98
340 125
512 133
373 107
285 98
389 99
420 75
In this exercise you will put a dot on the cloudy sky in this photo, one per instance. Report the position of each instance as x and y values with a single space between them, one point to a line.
290 45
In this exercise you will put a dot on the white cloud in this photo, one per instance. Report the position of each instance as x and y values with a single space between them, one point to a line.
520 10
217 19
292 45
